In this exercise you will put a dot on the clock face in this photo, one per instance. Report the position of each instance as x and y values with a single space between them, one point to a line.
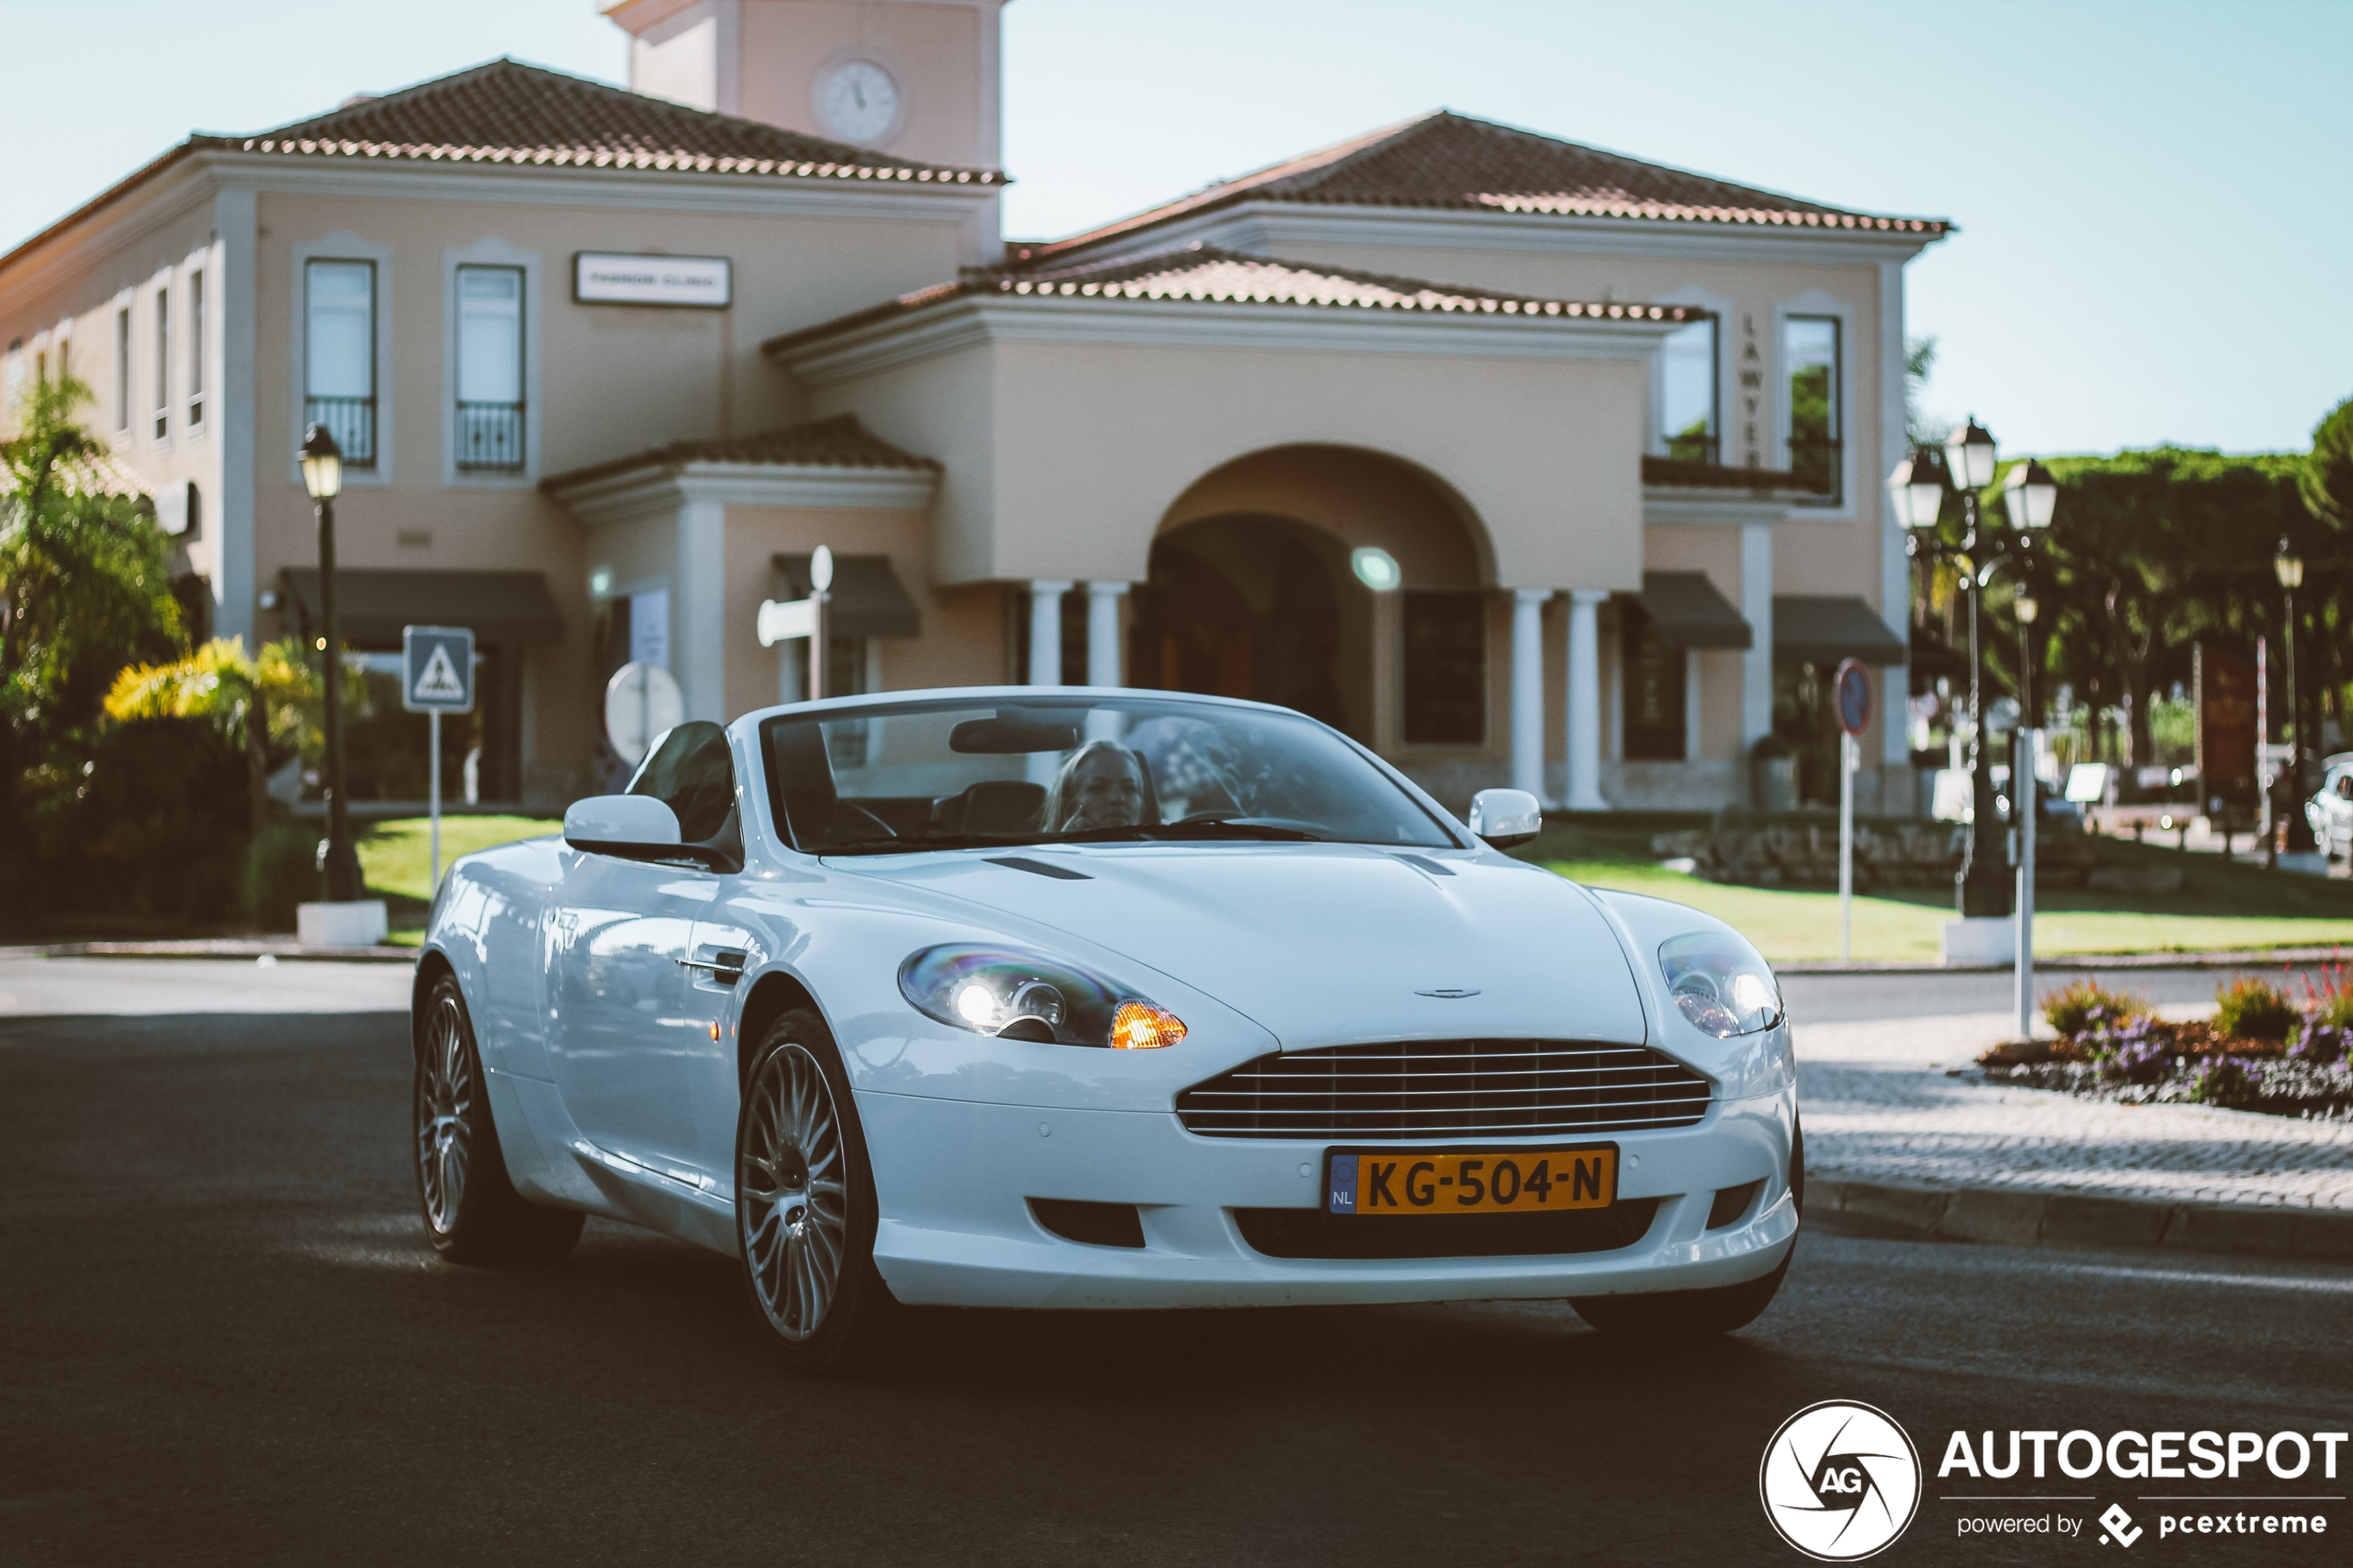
859 101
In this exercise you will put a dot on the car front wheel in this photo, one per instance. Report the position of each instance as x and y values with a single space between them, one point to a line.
805 1209
472 1211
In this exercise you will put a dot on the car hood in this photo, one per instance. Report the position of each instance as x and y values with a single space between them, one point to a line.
1322 944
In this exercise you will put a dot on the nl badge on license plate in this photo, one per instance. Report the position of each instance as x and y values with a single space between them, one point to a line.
1407 1182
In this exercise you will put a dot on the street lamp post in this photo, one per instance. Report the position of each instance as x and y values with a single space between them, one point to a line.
322 477
2030 496
2289 568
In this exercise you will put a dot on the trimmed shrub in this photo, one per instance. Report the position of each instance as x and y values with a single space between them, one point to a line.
2253 1009
2082 1006
158 823
281 869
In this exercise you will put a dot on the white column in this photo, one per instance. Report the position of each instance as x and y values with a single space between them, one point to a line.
698 610
1103 632
231 409
1046 632
1894 567
1757 608
1528 689
1585 700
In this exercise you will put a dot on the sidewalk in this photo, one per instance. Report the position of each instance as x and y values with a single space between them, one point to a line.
1894 1142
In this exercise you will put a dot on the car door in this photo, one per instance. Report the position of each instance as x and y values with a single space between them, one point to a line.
631 1025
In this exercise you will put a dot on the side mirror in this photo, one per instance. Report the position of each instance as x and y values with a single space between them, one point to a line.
636 827
1505 818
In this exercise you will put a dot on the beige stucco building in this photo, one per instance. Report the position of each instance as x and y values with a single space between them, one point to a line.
1521 461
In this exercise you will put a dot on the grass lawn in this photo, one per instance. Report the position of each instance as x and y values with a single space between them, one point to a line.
395 860
2219 906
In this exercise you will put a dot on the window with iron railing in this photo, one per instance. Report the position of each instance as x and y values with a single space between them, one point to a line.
1688 381
163 363
1810 357
339 357
489 429
195 347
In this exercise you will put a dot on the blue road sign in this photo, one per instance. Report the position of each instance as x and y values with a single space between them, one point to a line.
436 668
1852 685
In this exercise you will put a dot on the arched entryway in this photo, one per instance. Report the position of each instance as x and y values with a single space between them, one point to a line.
1253 593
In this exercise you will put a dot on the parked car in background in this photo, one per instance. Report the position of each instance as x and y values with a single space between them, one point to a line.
2330 808
1067 997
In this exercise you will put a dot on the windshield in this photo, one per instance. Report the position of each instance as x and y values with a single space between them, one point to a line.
949 774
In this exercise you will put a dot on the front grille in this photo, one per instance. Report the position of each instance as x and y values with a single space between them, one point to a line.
1446 1088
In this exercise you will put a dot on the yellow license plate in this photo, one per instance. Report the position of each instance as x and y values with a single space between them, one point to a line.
1469 1181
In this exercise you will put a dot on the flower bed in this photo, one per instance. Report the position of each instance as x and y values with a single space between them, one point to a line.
2263 1051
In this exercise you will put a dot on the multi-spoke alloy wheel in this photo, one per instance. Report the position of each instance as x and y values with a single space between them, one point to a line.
805 1210
445 1113
473 1211
796 1209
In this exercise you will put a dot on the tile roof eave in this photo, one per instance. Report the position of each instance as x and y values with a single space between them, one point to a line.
808 173
1926 230
1000 290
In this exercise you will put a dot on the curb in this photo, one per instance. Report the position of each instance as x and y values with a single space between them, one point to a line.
293 952
2249 959
2006 1217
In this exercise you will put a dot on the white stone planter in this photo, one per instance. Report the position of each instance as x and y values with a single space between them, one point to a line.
1983 940
362 923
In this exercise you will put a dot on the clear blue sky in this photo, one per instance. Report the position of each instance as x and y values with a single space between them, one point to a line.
2156 198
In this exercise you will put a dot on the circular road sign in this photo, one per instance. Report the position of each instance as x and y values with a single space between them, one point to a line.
1852 687
821 569
641 701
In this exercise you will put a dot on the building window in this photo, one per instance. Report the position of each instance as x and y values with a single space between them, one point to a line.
1687 394
490 411
195 347
1652 672
1445 667
339 362
1810 359
122 370
163 363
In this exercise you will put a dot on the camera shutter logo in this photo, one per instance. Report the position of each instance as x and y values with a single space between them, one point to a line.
1841 1481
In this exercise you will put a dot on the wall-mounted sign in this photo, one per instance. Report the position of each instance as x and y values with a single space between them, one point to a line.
600 277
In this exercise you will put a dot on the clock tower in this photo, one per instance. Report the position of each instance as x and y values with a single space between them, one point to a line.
917 79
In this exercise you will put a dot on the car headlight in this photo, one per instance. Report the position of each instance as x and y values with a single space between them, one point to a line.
1015 996
1720 983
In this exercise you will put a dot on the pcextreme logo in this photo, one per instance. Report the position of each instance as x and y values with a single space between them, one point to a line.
1841 1481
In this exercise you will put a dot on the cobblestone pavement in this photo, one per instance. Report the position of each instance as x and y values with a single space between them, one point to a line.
1879 1106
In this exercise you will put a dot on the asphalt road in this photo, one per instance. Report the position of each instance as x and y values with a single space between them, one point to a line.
227 1341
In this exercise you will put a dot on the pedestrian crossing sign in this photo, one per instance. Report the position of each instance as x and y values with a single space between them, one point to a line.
437 669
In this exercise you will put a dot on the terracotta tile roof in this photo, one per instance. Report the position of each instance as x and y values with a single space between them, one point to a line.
1448 160
836 443
508 112
1199 274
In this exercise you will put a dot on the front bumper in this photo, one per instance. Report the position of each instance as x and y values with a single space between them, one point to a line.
954 1178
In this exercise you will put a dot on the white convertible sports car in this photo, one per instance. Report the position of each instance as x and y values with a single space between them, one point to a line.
1036 997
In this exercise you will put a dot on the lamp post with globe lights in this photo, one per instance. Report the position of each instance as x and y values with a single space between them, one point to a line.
322 477
2030 497
2288 568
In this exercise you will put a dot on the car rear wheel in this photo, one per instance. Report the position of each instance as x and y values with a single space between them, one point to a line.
472 1211
805 1209
1682 1314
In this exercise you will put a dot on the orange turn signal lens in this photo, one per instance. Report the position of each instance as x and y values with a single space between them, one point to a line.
1140 1026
